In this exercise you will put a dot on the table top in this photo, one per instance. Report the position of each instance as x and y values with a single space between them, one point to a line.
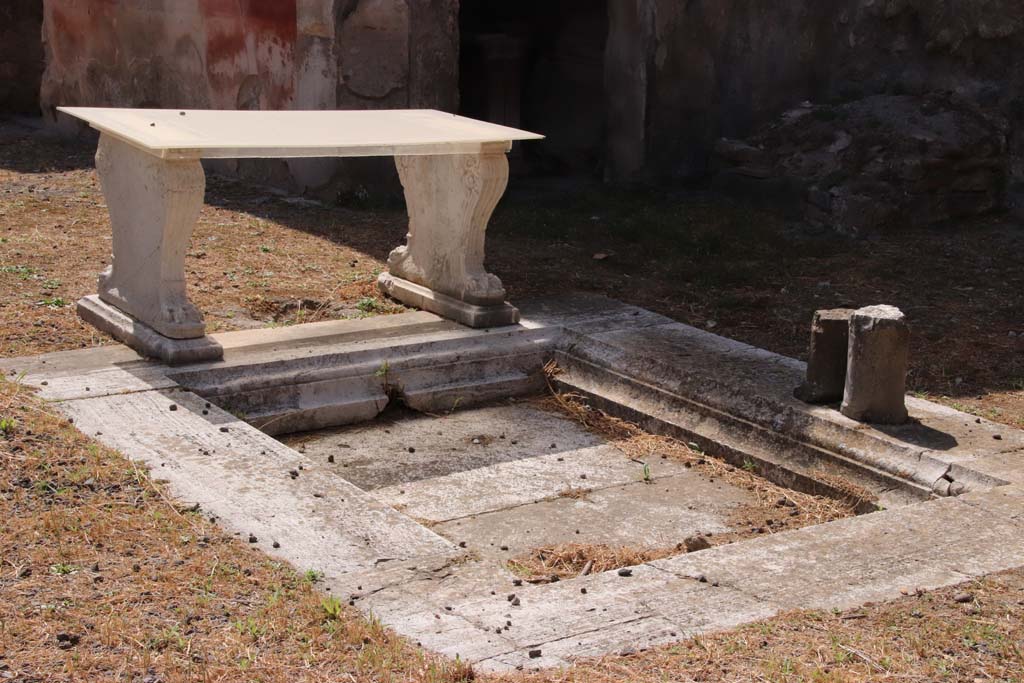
221 134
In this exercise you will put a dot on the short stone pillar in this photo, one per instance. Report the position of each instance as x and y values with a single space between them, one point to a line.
876 368
826 365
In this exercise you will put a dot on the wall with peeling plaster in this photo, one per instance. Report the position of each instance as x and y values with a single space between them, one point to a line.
255 54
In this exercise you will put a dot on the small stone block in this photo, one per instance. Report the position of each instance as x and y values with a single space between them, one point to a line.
876 372
826 364
144 339
471 315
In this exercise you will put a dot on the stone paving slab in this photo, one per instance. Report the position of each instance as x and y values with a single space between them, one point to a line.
658 515
511 484
870 558
243 477
444 445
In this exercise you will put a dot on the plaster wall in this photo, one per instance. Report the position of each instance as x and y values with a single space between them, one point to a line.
254 54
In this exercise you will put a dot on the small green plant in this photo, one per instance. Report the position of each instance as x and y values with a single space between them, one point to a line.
265 249
51 284
648 479
313 575
383 370
62 569
695 447
53 302
749 465
249 627
8 425
23 272
368 304
332 608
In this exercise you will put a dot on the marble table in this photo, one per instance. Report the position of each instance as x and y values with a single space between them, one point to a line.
454 171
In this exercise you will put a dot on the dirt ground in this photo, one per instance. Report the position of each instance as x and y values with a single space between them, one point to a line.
103 578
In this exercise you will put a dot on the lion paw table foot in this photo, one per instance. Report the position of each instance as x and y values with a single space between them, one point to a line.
143 338
471 315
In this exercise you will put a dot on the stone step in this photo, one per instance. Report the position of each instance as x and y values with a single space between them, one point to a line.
336 385
784 461
716 377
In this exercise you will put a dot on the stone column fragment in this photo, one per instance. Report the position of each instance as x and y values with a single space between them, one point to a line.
876 372
826 365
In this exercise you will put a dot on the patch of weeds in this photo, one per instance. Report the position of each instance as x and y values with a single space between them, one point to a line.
265 249
749 465
648 479
383 372
63 569
169 637
54 302
368 304
313 575
8 425
332 608
249 627
51 284
23 272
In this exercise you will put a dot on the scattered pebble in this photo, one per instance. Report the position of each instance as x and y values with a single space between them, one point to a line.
625 571
963 597
411 449
252 538
67 640
275 544
224 429
695 543
173 407
515 602
534 654
330 458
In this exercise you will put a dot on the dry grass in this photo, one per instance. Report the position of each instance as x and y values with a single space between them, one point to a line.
103 579
570 560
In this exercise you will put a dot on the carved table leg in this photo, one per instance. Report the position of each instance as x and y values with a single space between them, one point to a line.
450 199
153 204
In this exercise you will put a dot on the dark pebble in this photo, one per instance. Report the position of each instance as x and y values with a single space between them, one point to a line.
173 407
534 654
223 429
252 538
275 544
330 458
625 571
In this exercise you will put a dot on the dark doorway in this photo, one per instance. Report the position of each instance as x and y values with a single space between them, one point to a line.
21 55
539 65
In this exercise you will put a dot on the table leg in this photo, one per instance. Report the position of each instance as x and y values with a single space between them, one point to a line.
450 199
153 204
